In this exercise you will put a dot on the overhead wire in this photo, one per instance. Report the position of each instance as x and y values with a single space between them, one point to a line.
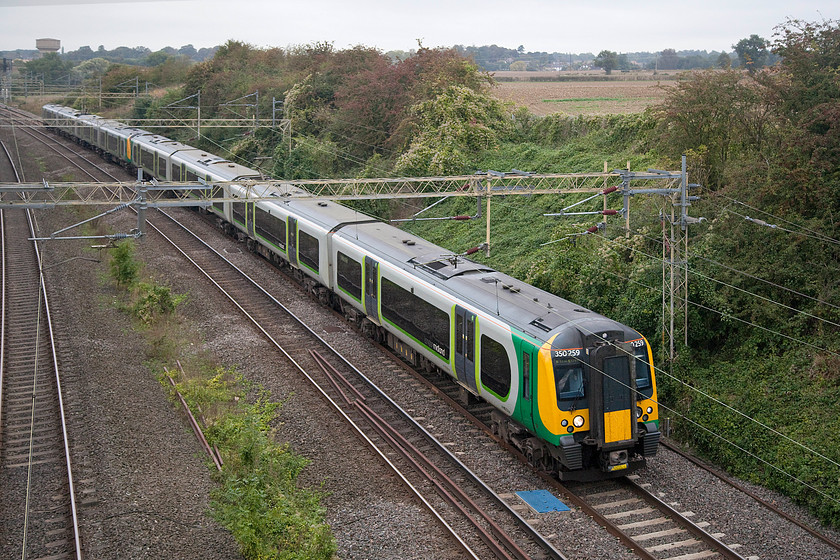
814 234
729 315
723 404
658 371
747 274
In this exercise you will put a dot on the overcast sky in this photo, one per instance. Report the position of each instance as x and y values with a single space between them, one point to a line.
538 25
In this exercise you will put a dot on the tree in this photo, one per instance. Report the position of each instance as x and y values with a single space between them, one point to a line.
188 50
608 60
157 58
808 93
450 127
668 60
724 61
714 116
93 68
752 52
51 66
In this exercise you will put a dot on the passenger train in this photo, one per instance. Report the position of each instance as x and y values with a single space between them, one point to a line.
571 389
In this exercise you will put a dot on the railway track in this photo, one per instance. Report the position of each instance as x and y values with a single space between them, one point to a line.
649 538
483 524
641 521
38 512
33 126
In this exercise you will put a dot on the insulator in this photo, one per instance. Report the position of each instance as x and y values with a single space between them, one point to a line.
593 229
609 190
472 251
609 212
462 217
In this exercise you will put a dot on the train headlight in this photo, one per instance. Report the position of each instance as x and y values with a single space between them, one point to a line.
564 423
577 421
650 410
638 412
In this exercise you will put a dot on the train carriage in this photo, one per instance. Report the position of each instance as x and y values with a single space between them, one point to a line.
573 390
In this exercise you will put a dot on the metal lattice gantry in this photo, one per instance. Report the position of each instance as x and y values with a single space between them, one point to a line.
671 185
489 184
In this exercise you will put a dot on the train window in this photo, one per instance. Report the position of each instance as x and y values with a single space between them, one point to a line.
238 212
569 380
215 193
495 366
308 250
147 160
271 228
643 384
421 320
161 166
350 275
191 177
526 375
176 172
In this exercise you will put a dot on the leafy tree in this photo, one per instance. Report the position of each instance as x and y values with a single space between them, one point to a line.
188 50
608 60
668 60
713 116
752 52
51 66
724 61
157 58
450 127
807 89
90 69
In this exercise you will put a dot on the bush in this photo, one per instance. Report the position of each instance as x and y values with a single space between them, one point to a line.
124 268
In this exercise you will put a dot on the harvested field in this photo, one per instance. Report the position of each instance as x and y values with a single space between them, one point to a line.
583 97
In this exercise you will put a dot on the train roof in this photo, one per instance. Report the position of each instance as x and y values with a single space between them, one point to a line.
221 168
521 305
159 143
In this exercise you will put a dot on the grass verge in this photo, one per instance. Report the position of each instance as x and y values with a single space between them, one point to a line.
257 498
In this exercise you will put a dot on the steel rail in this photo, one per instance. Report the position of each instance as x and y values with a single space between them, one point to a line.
43 304
302 370
547 548
448 488
40 136
57 373
731 482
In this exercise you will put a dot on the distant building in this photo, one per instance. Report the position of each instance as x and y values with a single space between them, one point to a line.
47 45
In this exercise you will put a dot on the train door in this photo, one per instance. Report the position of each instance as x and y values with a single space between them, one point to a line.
371 292
612 375
293 246
250 218
528 386
465 325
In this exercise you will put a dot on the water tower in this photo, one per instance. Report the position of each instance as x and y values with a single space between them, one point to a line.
47 45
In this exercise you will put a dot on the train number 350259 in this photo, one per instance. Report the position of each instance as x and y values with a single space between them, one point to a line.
567 353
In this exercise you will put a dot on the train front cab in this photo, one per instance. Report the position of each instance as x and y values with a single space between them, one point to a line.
596 401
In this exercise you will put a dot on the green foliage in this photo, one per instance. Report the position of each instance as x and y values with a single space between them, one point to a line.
719 117
51 67
752 52
153 301
258 499
149 300
608 60
124 267
90 69
450 128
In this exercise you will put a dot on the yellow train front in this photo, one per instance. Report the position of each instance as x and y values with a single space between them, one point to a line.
594 412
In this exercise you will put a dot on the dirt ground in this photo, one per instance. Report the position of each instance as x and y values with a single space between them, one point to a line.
584 97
